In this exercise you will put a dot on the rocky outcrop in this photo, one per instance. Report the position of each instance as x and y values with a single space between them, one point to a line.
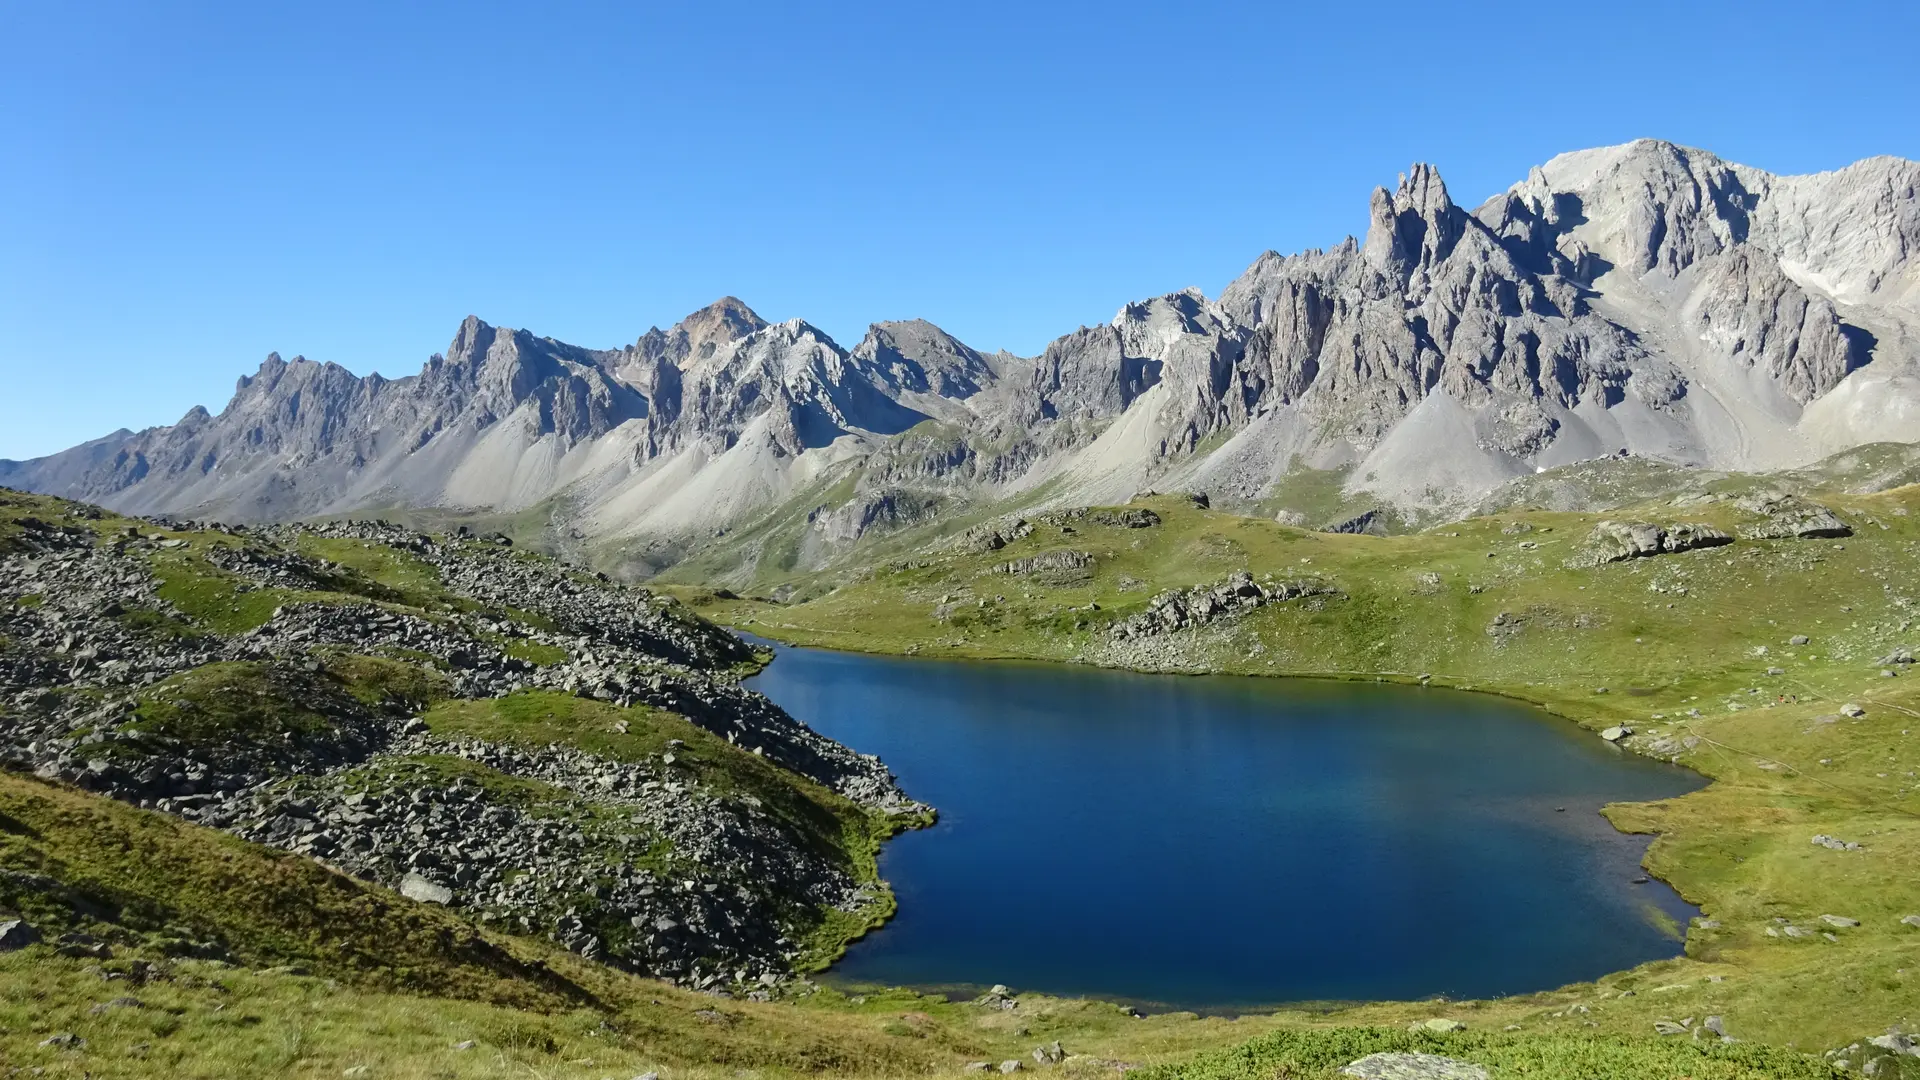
1370 522
302 728
1183 609
994 535
1790 517
1762 319
1125 517
1046 561
1616 541
703 915
885 510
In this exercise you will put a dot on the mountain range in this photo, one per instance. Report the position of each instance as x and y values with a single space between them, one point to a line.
1645 299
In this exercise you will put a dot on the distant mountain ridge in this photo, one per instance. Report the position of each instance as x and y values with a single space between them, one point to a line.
1645 298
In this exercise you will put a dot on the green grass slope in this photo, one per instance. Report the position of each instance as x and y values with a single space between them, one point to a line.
172 950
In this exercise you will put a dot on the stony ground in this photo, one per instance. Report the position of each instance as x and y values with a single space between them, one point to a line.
650 812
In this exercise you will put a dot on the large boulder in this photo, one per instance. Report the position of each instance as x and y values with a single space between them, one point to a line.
1791 517
416 887
1613 541
995 535
16 934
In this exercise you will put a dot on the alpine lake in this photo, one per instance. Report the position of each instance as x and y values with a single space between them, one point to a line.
1222 843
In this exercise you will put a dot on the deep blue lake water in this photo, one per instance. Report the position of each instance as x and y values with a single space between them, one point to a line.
1222 842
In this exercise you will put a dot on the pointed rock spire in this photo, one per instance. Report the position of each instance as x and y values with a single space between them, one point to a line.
471 341
1416 225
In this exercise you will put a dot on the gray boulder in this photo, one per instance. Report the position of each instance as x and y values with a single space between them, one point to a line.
1401 1066
415 887
16 934
1898 1042
1792 518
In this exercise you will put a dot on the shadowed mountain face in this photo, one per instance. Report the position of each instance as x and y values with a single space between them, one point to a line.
1645 298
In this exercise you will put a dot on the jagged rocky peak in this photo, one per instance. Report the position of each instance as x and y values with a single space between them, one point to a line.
1151 327
1758 262
1651 205
790 350
810 391
915 356
490 373
285 391
1099 371
696 338
273 369
478 344
1417 225
1249 298
474 338
657 364
271 364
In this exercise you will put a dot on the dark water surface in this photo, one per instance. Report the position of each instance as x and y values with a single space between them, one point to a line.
1217 842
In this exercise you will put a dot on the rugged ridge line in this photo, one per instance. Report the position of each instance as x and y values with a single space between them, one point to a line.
1645 299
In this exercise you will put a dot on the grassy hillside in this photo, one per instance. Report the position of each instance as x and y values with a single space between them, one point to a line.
174 950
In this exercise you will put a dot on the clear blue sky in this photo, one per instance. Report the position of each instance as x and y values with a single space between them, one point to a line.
185 187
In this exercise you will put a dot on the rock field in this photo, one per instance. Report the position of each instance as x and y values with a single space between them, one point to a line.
308 731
